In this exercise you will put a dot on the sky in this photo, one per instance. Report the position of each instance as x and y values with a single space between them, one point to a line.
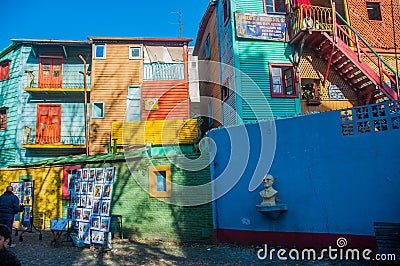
78 19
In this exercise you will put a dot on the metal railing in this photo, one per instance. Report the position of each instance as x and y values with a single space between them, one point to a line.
307 17
163 71
50 134
69 80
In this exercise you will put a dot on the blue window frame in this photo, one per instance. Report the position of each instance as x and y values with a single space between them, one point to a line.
208 47
100 51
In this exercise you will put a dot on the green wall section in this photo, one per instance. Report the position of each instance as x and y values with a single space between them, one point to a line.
148 217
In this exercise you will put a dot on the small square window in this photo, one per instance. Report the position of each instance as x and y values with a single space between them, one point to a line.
160 181
98 110
135 52
374 11
4 70
100 51
3 118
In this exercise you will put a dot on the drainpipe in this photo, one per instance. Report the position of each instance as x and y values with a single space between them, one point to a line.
85 105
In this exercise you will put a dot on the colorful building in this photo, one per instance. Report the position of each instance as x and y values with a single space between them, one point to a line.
136 80
42 99
295 58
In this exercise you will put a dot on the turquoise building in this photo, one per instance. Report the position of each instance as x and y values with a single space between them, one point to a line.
255 64
42 99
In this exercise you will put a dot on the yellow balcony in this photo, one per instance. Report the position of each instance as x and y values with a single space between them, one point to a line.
155 132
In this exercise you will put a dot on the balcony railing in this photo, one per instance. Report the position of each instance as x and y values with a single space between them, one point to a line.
163 71
50 134
69 80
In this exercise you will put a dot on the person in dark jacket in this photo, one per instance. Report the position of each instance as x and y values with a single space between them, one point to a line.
9 206
6 256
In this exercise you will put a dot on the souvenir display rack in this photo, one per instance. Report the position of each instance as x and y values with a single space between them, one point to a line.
90 192
25 191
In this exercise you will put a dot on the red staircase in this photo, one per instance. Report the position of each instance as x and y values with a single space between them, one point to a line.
347 55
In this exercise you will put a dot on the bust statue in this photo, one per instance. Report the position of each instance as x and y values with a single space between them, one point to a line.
268 194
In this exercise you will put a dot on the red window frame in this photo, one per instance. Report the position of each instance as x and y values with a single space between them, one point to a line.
4 70
288 88
3 118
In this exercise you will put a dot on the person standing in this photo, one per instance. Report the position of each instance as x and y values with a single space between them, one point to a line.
9 206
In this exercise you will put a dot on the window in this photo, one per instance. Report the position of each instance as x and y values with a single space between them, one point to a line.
227 11
98 110
210 114
4 70
160 181
281 78
3 118
135 52
274 6
208 47
374 11
100 51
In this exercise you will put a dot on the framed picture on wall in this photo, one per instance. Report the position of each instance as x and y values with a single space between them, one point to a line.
91 174
95 223
89 201
109 176
105 224
97 191
97 237
70 213
96 207
90 187
83 201
71 182
27 190
105 208
77 186
17 187
85 174
84 187
107 191
78 214
86 213
99 175
26 215
79 175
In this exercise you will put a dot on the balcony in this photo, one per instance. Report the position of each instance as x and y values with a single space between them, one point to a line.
164 71
70 83
52 137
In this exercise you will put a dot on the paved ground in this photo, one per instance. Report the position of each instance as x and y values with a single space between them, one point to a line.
32 251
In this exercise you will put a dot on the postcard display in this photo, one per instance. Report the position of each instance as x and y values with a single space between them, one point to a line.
25 193
90 197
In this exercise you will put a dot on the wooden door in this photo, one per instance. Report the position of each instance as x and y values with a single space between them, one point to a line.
48 124
50 72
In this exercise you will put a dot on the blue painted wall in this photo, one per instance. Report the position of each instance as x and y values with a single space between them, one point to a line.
331 183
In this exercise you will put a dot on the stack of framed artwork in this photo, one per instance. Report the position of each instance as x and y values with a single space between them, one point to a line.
90 192
24 192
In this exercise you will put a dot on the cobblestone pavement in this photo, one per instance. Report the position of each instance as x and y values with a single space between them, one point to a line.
32 251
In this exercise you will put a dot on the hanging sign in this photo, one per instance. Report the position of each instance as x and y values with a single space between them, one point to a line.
260 26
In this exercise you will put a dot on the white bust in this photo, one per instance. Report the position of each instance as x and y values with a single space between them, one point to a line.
268 194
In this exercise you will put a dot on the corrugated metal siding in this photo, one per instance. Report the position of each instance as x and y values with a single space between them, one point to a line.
248 5
110 80
9 92
173 100
254 58
227 67
155 132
